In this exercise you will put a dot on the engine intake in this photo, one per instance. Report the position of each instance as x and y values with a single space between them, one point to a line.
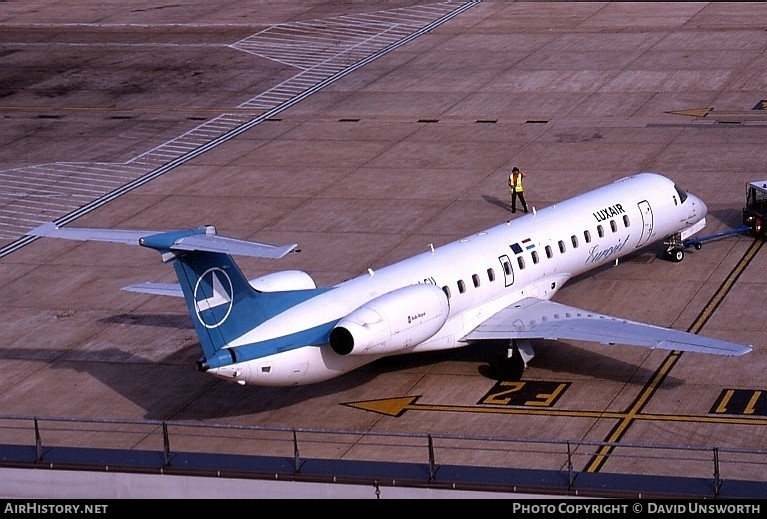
392 322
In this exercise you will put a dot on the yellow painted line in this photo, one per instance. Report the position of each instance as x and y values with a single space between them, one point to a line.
644 396
634 412
695 112
726 286
398 406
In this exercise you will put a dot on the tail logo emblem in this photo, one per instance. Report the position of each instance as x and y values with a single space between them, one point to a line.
213 297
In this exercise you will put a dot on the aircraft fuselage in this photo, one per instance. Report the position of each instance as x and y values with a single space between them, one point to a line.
433 300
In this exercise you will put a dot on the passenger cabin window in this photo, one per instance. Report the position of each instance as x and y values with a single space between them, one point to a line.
600 231
535 257
574 239
614 226
521 262
446 290
587 236
475 280
549 252
491 274
461 286
507 268
626 222
561 246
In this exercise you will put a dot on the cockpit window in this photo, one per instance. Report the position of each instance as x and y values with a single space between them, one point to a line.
681 193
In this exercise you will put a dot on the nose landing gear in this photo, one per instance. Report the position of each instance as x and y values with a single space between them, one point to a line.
674 253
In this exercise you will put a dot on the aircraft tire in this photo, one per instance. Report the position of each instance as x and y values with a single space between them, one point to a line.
514 367
676 255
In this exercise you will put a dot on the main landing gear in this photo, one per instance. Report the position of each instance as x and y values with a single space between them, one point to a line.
519 354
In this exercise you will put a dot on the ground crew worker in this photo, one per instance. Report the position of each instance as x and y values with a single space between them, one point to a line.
515 188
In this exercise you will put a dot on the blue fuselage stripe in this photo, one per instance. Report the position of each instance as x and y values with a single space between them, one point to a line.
316 336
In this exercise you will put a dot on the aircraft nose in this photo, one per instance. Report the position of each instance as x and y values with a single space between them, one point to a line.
697 206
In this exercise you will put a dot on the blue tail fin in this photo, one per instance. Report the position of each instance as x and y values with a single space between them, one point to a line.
213 286
221 302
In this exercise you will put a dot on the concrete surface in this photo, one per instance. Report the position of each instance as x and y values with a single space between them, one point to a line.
369 150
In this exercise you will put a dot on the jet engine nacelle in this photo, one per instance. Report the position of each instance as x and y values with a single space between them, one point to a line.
283 281
391 322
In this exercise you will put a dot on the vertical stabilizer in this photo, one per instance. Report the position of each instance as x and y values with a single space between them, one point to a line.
217 296
221 302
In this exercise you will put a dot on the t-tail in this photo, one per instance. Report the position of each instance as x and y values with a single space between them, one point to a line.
217 294
221 301
223 304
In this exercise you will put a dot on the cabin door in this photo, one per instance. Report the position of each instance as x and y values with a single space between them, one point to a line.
647 222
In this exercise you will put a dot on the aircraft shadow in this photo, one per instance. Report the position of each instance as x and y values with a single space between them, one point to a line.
556 356
732 217
220 399
202 397
170 387
174 321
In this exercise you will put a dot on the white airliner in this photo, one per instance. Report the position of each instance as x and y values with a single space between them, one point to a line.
282 330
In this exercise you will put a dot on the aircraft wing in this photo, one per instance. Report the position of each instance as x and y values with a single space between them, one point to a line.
202 239
533 318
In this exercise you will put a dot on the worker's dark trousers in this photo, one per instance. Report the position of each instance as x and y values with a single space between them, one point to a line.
514 195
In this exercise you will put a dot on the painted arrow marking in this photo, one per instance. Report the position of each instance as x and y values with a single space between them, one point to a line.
705 112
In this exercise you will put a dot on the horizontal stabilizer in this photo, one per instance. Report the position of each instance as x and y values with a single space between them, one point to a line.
202 239
50 230
533 318
158 289
215 243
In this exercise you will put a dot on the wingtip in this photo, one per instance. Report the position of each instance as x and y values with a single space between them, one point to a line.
45 229
287 249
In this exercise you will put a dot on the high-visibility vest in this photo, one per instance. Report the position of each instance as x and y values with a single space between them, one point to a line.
518 187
